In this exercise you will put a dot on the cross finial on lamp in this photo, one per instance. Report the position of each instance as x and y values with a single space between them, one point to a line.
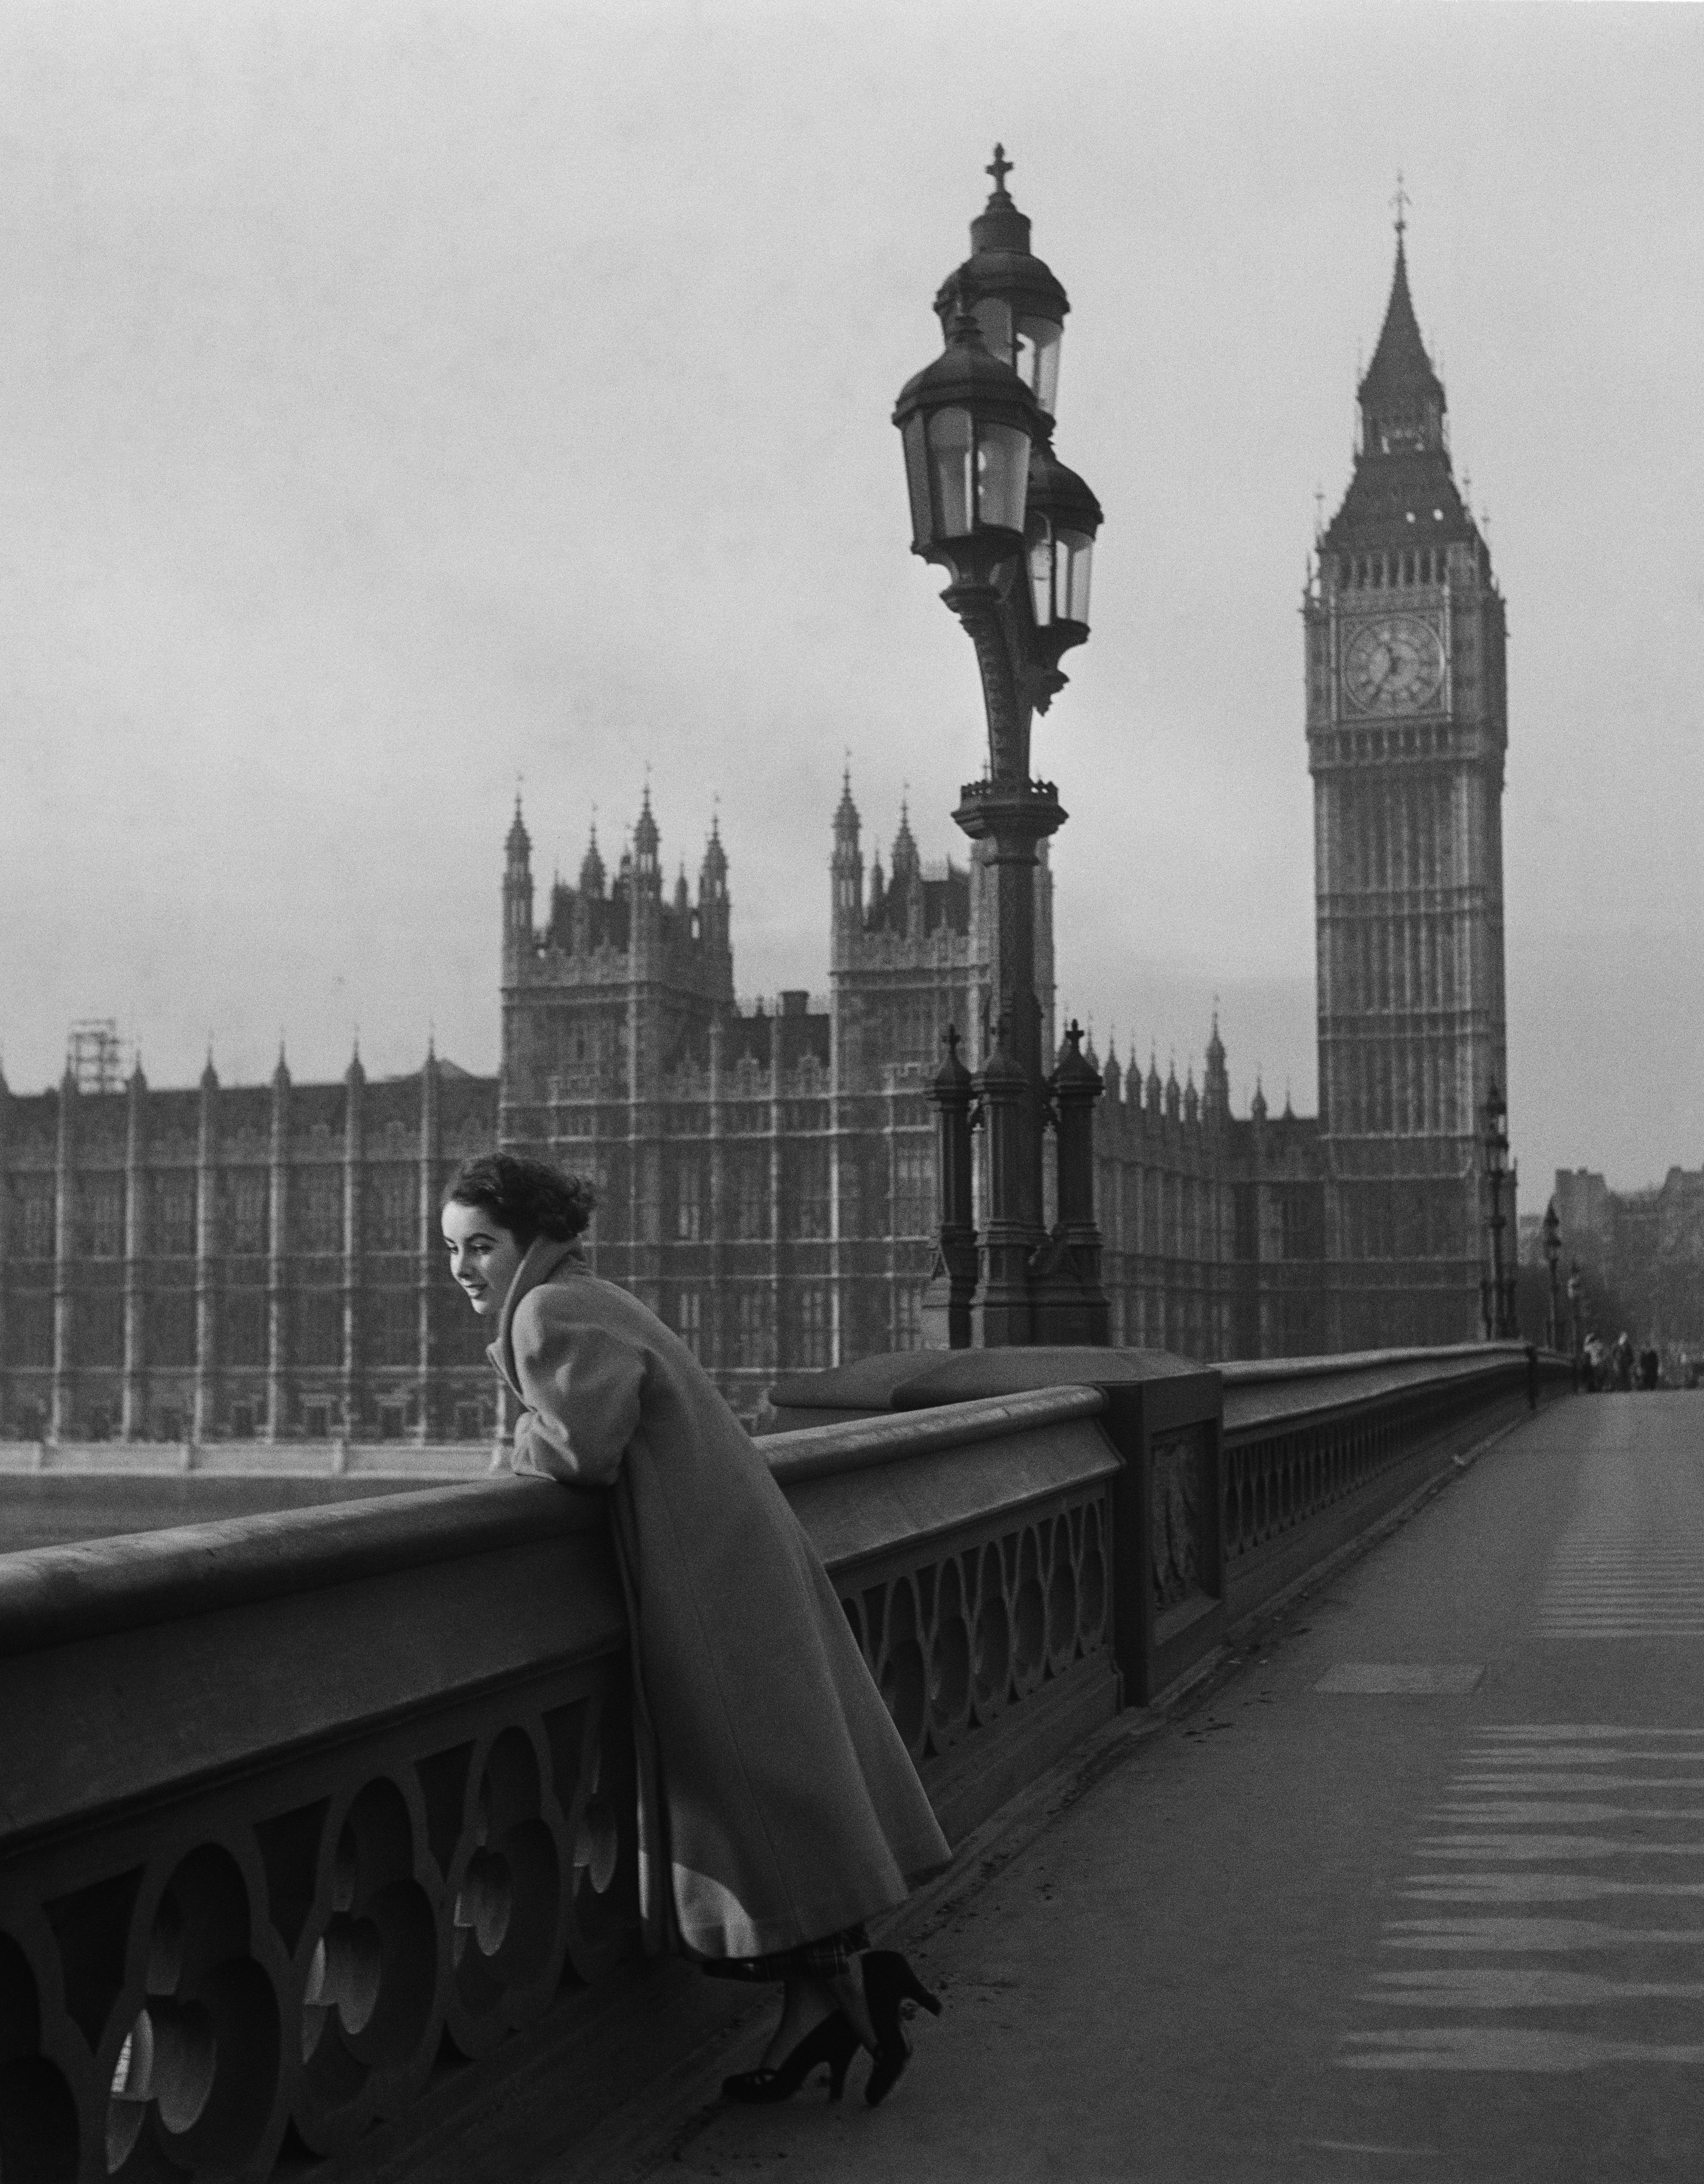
999 167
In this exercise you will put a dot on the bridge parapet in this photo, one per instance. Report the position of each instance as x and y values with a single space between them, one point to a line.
317 1828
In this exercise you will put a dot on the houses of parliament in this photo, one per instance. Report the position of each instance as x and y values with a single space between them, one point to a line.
264 1260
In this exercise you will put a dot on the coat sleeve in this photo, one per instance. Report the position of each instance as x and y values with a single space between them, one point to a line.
581 1384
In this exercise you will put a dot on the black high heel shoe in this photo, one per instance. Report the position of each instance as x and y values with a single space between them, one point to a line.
832 2042
889 1980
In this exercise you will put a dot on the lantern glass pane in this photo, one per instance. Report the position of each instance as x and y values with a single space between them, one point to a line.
1076 553
917 480
1041 574
1002 476
949 463
993 316
1037 359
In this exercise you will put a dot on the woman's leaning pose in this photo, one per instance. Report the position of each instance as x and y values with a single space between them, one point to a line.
778 1810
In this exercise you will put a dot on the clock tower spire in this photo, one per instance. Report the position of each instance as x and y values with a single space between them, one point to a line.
1407 731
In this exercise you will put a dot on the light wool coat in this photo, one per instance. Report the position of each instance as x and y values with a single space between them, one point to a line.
777 1804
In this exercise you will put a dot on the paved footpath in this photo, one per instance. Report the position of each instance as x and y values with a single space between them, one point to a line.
1417 1893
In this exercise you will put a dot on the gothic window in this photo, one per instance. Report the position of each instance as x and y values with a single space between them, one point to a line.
391 1210
245 1327
809 1207
908 1316
29 1327
35 1218
689 1320
101 1230
689 1223
319 1197
915 1209
751 1196
172 1327
174 1216
319 1327
810 1325
395 1327
755 1324
249 1196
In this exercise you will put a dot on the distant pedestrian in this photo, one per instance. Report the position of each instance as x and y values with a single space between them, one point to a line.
1622 1361
1650 1366
1591 1365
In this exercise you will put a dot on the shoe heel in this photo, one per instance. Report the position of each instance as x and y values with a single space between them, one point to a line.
840 2060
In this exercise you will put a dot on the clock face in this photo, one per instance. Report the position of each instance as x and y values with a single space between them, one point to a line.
1394 664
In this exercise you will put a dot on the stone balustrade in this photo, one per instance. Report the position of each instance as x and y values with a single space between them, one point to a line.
316 1828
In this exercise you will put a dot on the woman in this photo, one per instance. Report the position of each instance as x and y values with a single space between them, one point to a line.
778 1809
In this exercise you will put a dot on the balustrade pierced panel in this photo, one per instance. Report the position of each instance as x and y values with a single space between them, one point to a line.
296 1958
955 1638
1275 1481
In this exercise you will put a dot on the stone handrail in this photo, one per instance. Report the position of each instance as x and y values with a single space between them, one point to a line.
310 1822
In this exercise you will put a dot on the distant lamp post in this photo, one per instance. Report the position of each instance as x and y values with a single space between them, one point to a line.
1552 1249
1014 529
1576 1295
1495 1149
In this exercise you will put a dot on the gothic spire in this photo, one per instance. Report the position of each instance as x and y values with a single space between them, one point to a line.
646 838
1401 397
592 877
713 872
846 811
905 862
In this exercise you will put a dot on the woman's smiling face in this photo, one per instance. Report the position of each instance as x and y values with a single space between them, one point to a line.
482 1257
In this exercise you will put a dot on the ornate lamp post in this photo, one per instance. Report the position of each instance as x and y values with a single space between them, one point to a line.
1552 1245
993 506
1576 1293
1494 1148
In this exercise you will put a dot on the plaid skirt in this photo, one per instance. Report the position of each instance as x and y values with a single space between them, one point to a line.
826 1959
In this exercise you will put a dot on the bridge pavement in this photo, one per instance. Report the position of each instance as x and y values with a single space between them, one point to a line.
1417 1893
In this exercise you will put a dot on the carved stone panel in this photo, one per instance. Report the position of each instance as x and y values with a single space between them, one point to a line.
1176 1544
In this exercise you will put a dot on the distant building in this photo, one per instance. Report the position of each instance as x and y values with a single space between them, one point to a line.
1643 1248
234 1262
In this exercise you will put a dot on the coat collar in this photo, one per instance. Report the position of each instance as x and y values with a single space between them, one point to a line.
546 1258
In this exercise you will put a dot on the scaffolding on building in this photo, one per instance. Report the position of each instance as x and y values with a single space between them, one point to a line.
94 1056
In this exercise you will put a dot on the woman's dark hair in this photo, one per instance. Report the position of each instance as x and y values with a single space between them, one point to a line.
530 1198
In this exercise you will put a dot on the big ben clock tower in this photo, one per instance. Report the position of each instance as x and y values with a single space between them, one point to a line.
1406 731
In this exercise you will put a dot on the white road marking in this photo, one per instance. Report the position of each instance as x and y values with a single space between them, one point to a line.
1486 1845
1501 1986
1534 1936
1557 1810
1505 2047
1514 1807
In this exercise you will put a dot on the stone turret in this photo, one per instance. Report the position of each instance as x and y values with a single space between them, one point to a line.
846 870
594 881
517 898
1216 1083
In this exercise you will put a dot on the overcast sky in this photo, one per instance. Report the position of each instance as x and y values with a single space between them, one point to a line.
400 398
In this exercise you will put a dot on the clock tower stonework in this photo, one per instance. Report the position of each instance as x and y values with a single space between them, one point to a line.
1407 731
